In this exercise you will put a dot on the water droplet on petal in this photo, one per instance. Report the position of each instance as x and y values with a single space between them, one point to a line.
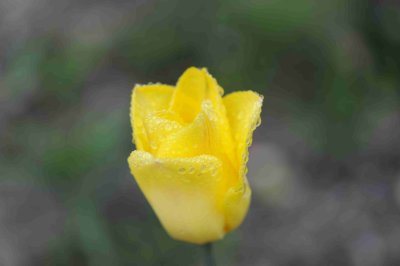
182 170
214 171
191 170
258 123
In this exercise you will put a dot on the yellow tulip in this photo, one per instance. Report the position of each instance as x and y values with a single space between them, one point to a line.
191 154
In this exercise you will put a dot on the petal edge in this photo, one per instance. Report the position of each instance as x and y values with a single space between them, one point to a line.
184 200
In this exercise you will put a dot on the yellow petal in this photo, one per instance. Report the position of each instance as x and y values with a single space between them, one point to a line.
158 126
202 136
199 137
194 86
146 99
243 112
236 204
183 194
220 119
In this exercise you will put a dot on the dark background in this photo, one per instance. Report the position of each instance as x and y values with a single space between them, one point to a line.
324 166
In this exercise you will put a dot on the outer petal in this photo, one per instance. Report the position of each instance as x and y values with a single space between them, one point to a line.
146 99
236 204
243 112
183 194
221 120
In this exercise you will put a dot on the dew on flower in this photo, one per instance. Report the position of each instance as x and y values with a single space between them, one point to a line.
191 170
196 143
203 168
248 141
182 170
258 123
214 171
240 189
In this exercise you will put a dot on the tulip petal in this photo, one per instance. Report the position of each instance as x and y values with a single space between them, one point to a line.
199 137
193 87
160 125
183 194
236 204
243 112
202 136
146 99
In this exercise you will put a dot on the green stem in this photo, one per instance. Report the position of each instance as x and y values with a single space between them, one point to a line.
209 259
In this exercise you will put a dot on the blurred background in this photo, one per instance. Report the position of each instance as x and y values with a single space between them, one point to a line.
324 166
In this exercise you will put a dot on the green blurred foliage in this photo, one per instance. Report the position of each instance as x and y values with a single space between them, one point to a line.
327 61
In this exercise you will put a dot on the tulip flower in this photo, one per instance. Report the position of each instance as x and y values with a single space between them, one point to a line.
191 153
